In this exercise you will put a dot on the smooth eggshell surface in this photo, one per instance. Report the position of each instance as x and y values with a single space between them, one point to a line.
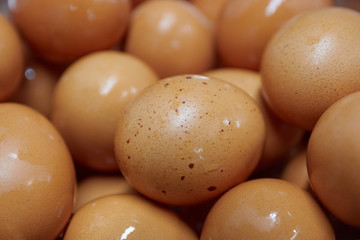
128 217
90 97
267 209
333 159
62 31
295 170
36 173
246 26
281 137
11 59
310 63
173 37
189 138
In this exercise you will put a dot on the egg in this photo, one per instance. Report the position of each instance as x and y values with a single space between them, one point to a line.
62 31
11 59
333 159
36 173
311 63
97 186
211 8
266 209
295 170
90 97
37 86
173 37
246 26
126 217
281 137
189 138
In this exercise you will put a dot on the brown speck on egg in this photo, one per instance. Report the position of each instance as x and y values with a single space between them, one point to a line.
211 188
191 165
166 84
182 178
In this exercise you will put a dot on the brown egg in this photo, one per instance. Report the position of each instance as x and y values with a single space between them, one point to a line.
280 136
266 209
36 89
333 159
62 31
97 186
126 217
295 170
312 62
36 173
90 97
11 59
246 26
189 138
211 8
173 37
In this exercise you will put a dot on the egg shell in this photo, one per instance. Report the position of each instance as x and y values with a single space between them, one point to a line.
333 159
211 8
266 209
97 186
310 63
295 170
37 176
246 26
173 37
11 60
90 97
62 31
281 137
126 217
189 138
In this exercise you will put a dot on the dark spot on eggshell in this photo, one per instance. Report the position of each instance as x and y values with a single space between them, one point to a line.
166 84
182 178
211 188
128 141
191 165
205 83
188 77
164 192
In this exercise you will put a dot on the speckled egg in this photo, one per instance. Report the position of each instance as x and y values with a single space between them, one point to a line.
189 138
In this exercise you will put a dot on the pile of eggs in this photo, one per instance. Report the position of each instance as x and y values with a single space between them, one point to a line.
175 119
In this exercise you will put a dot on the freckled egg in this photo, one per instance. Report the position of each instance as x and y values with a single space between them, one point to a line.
36 89
189 138
11 58
246 26
62 31
281 137
37 177
126 217
267 209
173 37
90 97
333 159
97 186
312 62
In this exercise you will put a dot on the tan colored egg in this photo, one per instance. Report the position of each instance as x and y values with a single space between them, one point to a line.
62 31
173 37
36 89
126 217
281 137
295 170
11 59
211 8
90 97
333 159
189 138
246 26
36 173
267 209
311 63
97 186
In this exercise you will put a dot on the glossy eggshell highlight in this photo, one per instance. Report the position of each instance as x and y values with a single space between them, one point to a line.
311 63
62 31
281 137
37 176
173 37
246 26
333 159
267 209
11 58
90 97
97 186
189 138
126 217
